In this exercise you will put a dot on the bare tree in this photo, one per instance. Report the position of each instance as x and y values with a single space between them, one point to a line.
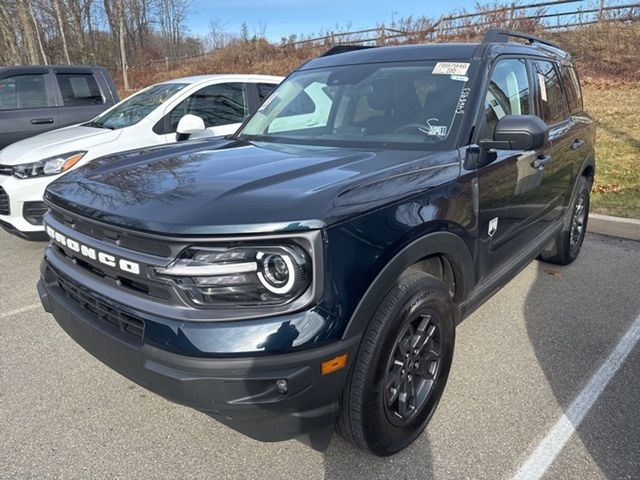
8 50
171 16
123 50
27 32
75 10
113 33
63 37
45 60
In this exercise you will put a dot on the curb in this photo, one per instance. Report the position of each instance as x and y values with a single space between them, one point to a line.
614 226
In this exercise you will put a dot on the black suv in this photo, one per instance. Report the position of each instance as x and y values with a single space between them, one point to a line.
310 270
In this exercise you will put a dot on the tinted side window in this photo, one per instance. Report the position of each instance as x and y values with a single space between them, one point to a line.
79 89
572 89
23 91
220 104
550 97
301 105
264 90
309 109
508 93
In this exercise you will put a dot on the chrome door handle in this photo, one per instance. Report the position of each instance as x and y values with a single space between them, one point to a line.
41 121
541 161
577 145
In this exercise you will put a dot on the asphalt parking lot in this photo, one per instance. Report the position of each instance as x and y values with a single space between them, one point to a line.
521 360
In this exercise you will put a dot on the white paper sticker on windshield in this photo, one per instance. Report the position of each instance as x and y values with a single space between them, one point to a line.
434 130
450 68
543 87
459 78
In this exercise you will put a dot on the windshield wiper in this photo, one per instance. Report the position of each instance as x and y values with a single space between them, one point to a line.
255 138
99 125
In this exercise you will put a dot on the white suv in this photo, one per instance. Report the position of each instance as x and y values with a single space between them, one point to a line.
191 107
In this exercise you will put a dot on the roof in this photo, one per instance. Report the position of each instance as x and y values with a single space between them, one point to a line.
406 53
225 76
55 67
494 45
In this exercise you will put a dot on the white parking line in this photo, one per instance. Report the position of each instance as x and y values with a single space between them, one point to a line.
546 452
20 310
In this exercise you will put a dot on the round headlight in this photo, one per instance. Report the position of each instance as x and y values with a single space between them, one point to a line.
276 272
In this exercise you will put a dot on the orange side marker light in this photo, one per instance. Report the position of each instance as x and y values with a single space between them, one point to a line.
335 364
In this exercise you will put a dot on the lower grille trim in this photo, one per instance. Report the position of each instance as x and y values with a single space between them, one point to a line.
106 312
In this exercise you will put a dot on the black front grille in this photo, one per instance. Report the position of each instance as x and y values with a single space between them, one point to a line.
114 235
102 310
6 170
4 203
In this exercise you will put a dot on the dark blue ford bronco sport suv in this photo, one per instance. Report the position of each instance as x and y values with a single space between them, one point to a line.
309 271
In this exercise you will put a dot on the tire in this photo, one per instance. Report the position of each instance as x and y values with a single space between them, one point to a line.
566 246
369 416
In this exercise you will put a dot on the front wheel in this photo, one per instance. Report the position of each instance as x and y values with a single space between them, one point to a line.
401 368
566 246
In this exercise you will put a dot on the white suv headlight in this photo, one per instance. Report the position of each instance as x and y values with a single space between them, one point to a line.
48 166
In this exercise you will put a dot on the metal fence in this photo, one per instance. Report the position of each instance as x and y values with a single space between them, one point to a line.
536 14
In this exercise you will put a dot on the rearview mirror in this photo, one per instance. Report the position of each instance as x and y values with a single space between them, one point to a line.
518 132
188 125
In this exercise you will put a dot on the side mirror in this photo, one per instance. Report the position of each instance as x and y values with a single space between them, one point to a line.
518 132
188 125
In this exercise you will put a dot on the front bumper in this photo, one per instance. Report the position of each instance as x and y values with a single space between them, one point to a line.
240 392
20 192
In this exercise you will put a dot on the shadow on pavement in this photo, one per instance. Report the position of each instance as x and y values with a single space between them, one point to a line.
342 461
575 317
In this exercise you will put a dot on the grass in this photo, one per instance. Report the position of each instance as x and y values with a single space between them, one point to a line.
617 187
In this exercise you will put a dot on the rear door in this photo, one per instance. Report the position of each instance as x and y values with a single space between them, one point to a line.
80 95
580 139
27 104
553 109
513 195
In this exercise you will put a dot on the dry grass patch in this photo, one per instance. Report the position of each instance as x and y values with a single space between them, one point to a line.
617 188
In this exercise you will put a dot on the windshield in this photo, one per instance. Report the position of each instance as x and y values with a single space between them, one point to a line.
136 107
384 104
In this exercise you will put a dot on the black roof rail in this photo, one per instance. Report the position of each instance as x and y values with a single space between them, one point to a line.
344 48
502 36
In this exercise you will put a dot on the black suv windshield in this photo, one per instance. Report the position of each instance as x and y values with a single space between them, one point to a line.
136 107
383 104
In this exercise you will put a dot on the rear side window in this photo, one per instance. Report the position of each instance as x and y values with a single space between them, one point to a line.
572 89
508 93
23 91
264 90
79 89
220 104
550 98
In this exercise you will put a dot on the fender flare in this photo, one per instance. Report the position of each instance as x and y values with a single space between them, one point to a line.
439 243
589 161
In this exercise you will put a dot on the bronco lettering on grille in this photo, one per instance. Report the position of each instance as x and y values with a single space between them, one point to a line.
93 254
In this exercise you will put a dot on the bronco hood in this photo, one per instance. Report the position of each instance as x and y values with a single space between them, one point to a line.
224 186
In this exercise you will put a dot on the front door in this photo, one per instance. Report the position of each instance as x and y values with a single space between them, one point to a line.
222 106
514 190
